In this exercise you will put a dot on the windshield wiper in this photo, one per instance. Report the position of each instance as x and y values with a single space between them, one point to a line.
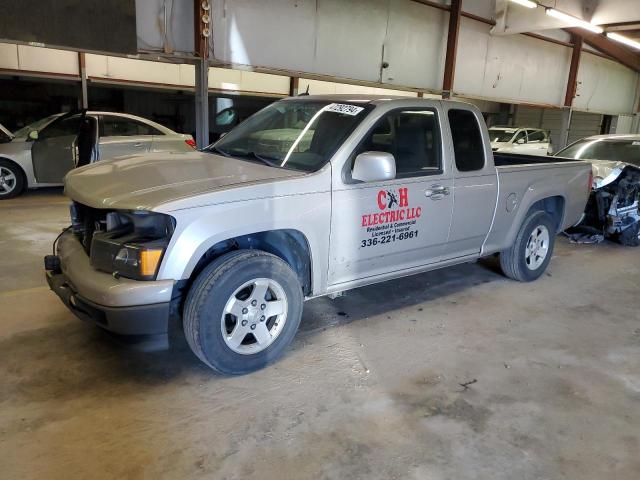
219 150
269 161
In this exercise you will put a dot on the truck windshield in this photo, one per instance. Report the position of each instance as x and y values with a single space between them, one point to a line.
500 135
627 151
295 134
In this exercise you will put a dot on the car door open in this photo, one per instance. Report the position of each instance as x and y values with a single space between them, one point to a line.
55 149
379 224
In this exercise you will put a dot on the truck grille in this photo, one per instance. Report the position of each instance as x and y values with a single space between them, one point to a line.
85 222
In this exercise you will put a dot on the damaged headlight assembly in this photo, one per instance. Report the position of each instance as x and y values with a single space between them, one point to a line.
131 243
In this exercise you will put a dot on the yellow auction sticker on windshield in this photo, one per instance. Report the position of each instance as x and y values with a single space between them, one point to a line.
343 108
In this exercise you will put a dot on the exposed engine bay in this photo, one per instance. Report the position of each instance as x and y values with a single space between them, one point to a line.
613 205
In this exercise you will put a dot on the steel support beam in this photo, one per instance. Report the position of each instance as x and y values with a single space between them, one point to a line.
83 101
623 55
202 103
294 85
565 127
572 81
452 47
201 44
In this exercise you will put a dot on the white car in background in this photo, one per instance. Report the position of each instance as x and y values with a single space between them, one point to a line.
530 141
42 153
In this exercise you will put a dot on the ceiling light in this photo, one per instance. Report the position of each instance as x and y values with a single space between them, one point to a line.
574 21
526 3
627 41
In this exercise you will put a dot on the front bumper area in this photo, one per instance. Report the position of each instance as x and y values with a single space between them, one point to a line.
136 310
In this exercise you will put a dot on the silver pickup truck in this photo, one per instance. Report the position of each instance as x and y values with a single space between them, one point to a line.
311 196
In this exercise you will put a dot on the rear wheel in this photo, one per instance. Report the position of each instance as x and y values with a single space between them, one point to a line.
531 252
11 180
242 311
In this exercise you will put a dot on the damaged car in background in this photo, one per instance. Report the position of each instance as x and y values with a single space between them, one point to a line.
612 210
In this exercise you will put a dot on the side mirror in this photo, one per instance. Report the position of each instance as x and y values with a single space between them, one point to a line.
33 135
520 141
374 167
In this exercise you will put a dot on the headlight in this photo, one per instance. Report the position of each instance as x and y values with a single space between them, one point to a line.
132 245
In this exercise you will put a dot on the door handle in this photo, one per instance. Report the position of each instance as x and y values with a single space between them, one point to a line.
436 192
138 145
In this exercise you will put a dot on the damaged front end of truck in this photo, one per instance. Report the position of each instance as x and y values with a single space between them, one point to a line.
612 210
613 206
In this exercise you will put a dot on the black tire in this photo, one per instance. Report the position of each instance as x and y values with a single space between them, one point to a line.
513 260
206 300
17 184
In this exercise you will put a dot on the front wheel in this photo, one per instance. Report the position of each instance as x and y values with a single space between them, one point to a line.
11 180
531 252
243 311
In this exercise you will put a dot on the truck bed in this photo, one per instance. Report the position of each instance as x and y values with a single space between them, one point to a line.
510 159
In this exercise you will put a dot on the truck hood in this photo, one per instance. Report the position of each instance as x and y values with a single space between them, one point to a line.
606 171
143 182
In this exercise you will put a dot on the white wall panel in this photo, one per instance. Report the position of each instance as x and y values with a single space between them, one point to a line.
241 80
605 86
165 25
350 37
415 45
132 70
335 38
9 56
272 33
512 68
318 87
37 59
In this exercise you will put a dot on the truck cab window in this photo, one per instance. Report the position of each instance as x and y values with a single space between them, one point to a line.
467 140
412 137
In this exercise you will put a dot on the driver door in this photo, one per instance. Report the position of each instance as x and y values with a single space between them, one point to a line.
388 226
54 152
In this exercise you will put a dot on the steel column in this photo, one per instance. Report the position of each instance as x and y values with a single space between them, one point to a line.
83 101
202 103
202 33
572 81
565 127
452 47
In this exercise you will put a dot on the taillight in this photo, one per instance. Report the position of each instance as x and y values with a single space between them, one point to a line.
590 184
191 142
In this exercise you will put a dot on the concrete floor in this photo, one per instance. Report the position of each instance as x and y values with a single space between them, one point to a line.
370 388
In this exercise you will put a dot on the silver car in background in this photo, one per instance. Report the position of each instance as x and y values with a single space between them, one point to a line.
613 206
41 154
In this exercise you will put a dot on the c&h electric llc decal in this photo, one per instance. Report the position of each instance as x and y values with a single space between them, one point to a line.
395 221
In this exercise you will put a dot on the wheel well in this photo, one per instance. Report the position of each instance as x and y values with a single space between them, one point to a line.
20 169
290 245
554 206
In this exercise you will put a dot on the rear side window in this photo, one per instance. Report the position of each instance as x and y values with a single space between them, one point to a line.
112 126
467 140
